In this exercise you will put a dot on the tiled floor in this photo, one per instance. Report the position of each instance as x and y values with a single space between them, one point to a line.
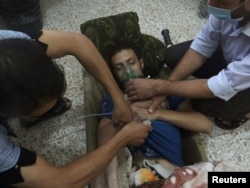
180 17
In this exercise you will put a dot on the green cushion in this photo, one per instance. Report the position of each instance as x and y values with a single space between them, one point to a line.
153 54
106 31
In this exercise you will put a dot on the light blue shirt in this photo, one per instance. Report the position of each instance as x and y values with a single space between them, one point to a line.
6 34
9 152
235 43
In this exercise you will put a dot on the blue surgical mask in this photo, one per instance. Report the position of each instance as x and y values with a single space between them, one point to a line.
223 14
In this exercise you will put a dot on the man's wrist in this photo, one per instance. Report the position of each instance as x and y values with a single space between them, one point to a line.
121 138
160 87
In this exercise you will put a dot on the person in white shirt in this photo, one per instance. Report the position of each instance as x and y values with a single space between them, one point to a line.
219 57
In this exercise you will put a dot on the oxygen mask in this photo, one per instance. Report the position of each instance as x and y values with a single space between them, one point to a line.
128 74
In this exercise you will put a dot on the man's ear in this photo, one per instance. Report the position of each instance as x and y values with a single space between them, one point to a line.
142 63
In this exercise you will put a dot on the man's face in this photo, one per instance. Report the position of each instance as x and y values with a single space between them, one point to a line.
232 5
127 66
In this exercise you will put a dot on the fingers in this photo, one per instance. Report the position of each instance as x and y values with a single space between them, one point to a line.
147 124
131 92
159 101
121 114
153 106
133 98
132 95
138 130
119 124
137 116
141 140
129 86
138 89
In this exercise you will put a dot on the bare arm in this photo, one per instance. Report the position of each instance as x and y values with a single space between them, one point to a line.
190 62
78 45
106 130
196 88
82 171
184 118
139 89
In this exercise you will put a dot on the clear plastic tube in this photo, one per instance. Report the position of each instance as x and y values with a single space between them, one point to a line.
88 115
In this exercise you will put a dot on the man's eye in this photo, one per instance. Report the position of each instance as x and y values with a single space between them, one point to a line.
118 68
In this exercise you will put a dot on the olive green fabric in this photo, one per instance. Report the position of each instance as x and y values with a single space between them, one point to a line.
153 54
106 31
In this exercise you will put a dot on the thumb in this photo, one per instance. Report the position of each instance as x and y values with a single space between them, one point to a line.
152 106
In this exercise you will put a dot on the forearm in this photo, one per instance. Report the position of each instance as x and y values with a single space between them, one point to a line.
190 62
78 45
192 121
106 130
94 63
185 88
75 175
176 85
83 171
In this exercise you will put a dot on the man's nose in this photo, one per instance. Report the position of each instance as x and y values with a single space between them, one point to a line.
128 69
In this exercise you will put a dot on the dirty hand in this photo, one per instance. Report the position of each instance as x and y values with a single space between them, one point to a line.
121 113
158 102
139 89
142 113
136 132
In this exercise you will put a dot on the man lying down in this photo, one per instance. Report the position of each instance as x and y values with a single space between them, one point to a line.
165 139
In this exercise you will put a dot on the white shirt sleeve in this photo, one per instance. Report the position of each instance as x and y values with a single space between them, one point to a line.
235 78
207 40
236 50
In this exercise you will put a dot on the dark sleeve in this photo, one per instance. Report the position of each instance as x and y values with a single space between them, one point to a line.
14 175
174 102
36 36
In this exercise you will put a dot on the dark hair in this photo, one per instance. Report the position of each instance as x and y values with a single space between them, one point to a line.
28 77
118 47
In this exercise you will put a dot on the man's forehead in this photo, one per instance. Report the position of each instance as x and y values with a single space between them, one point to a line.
123 56
225 1
125 59
125 53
